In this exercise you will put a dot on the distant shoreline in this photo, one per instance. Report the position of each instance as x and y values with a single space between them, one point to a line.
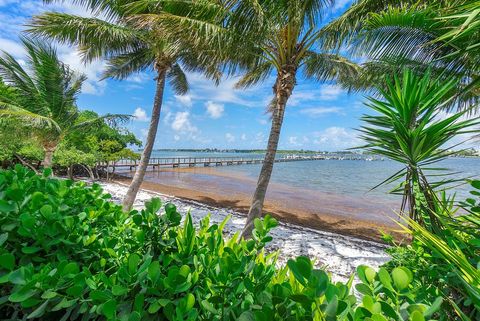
282 151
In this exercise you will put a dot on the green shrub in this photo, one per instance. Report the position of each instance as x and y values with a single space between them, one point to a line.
447 263
69 254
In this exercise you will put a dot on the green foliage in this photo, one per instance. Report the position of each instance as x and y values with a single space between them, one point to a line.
66 157
44 103
100 142
67 252
436 34
446 263
409 129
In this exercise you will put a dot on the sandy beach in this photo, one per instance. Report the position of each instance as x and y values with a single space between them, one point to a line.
337 254
320 211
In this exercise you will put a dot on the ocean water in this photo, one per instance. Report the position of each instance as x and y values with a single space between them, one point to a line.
341 177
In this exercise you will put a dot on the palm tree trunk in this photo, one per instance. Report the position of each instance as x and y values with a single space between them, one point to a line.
49 148
152 133
283 90
70 172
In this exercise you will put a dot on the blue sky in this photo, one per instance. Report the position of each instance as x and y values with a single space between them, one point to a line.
319 116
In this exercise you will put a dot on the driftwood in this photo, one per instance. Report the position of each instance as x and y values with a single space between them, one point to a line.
24 163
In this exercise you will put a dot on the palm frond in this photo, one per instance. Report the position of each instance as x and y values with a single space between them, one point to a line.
95 37
255 75
123 65
178 80
113 120
325 66
26 118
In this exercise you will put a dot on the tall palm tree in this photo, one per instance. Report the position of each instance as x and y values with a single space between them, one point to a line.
46 94
288 34
131 43
442 36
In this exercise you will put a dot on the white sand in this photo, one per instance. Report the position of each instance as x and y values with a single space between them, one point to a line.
338 254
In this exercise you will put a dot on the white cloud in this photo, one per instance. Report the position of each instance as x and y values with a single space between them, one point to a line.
182 123
301 96
336 138
293 140
214 110
185 100
229 137
205 90
12 47
138 78
320 111
330 92
140 114
243 137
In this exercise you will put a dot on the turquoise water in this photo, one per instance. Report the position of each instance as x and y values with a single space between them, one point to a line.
341 177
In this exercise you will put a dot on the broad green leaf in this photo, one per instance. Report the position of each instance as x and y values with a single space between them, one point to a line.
109 309
133 261
7 261
38 312
246 316
401 278
6 207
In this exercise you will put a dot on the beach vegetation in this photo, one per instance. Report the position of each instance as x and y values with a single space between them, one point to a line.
410 128
104 263
69 253
446 262
44 99
132 37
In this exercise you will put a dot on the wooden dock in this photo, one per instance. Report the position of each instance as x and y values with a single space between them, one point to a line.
175 162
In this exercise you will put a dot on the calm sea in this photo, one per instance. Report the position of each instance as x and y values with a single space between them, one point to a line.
341 177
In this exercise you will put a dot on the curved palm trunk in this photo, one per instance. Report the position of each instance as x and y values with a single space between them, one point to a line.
49 148
283 90
152 133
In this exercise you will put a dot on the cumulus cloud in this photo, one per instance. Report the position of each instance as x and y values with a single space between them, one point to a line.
140 114
182 124
336 138
214 110
243 137
330 92
185 100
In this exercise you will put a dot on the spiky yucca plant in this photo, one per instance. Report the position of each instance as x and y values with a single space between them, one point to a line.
410 129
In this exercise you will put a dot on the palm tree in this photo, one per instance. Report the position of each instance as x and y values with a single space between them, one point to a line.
409 129
134 37
46 94
442 36
287 33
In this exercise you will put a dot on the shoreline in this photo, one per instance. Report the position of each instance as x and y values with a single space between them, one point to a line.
338 254
285 212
